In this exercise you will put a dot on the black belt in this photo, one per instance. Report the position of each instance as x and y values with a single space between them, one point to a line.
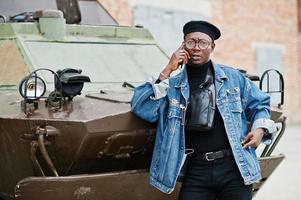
211 156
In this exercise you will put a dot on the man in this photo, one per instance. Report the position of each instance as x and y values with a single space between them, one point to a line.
203 111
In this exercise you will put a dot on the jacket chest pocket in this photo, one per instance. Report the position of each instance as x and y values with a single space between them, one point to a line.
234 105
175 117
175 112
234 100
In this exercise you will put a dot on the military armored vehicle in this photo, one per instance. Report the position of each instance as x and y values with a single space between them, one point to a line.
66 130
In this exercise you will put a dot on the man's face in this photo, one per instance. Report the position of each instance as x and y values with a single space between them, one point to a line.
199 46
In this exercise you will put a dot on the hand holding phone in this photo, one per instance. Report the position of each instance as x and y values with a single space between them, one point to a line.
178 59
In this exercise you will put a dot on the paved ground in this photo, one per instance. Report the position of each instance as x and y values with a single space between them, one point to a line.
285 182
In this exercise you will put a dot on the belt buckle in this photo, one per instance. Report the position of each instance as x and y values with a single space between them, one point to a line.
207 156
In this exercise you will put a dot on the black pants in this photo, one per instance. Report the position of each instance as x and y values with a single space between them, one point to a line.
218 179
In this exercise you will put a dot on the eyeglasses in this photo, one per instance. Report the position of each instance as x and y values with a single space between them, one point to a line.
202 44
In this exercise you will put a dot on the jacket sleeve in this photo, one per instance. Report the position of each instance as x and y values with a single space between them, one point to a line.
148 98
257 108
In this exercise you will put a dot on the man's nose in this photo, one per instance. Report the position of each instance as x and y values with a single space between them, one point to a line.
197 47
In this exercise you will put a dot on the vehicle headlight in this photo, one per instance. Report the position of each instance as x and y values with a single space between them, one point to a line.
32 87
71 82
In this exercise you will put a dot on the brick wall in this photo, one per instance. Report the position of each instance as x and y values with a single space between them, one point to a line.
299 15
120 11
245 23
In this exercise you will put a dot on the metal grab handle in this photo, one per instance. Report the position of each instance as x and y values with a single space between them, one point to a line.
39 142
270 148
281 84
34 160
46 155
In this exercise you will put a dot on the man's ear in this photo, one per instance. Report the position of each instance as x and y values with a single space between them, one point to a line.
212 47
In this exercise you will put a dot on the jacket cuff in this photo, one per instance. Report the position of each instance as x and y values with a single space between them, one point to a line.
269 125
160 89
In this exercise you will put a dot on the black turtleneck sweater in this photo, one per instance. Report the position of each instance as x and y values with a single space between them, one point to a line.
216 138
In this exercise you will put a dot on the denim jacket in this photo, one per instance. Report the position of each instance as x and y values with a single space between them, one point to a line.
238 100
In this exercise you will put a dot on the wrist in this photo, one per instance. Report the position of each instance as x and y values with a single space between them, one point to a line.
167 70
165 74
265 132
262 131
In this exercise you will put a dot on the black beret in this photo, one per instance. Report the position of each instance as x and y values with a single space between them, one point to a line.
202 26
